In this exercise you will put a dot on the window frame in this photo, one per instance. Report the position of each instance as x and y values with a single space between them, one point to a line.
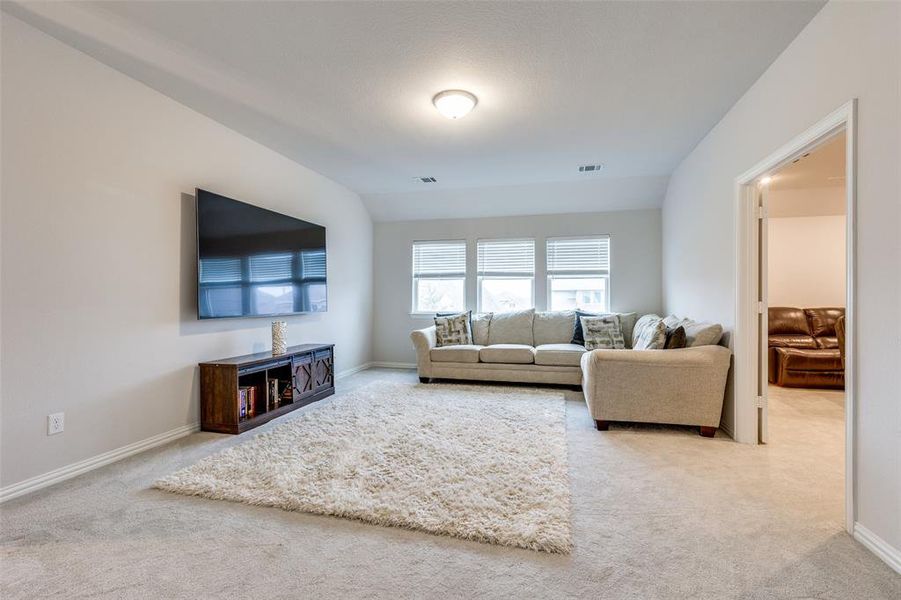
415 279
598 274
505 275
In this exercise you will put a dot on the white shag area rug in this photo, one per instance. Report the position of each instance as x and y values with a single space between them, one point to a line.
476 462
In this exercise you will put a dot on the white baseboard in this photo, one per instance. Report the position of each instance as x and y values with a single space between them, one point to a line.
727 430
95 462
878 546
393 365
352 370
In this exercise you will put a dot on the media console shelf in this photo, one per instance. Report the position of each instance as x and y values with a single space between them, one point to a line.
304 374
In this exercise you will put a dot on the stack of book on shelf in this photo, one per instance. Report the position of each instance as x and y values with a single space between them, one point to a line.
247 401
251 403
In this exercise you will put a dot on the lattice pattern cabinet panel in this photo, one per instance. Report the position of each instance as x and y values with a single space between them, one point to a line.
324 369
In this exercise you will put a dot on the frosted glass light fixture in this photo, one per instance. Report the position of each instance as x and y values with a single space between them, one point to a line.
454 104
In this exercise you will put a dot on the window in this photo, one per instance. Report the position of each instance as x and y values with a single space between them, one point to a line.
506 275
578 273
439 276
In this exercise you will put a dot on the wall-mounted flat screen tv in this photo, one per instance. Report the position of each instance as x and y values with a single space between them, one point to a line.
253 262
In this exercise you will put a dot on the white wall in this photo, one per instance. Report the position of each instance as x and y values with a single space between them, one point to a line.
634 254
848 50
98 256
807 202
806 266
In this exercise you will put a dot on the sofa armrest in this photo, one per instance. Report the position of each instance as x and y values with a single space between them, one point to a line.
423 341
684 386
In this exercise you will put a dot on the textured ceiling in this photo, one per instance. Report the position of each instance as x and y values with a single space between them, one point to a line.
345 88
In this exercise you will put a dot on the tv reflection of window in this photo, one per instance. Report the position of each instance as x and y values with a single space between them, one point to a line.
273 299
264 284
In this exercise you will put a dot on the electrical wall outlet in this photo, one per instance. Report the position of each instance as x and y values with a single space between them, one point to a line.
56 423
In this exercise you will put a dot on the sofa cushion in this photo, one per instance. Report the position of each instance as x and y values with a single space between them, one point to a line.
828 341
553 327
627 324
794 359
602 333
468 353
562 355
649 333
511 328
787 319
791 340
702 334
507 353
822 320
480 324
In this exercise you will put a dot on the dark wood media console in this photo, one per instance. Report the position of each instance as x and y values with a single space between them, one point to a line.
304 374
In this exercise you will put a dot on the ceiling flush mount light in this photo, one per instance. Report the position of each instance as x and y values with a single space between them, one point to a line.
454 104
765 180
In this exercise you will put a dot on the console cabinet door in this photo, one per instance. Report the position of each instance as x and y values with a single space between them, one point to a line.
304 376
323 369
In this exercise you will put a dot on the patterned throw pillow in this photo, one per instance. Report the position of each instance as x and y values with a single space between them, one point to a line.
649 333
602 333
454 330
578 334
675 338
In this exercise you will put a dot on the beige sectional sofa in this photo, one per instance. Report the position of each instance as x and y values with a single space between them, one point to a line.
678 386
524 346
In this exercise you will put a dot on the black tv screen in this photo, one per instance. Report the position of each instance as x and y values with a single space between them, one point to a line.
253 262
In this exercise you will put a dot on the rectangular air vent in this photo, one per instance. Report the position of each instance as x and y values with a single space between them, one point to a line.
589 168
425 180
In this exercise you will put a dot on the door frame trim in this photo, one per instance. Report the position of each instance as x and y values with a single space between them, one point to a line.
745 342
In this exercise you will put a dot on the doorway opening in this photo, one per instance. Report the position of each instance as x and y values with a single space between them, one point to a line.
794 335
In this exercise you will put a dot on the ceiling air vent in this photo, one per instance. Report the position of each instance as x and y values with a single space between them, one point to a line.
589 168
425 180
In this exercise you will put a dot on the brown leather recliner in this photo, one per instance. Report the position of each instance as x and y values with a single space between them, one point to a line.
803 347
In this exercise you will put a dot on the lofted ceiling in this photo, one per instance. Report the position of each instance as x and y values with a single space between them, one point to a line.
345 88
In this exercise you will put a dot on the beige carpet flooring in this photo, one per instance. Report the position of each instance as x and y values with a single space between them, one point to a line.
657 513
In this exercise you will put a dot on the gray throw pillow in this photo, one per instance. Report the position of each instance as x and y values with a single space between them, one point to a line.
602 333
453 330
702 334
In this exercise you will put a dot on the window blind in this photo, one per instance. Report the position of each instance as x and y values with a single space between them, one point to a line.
312 264
220 270
271 267
439 259
578 256
506 257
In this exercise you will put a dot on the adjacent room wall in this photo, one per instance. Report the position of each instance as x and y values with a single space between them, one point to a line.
98 271
634 254
806 261
849 50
